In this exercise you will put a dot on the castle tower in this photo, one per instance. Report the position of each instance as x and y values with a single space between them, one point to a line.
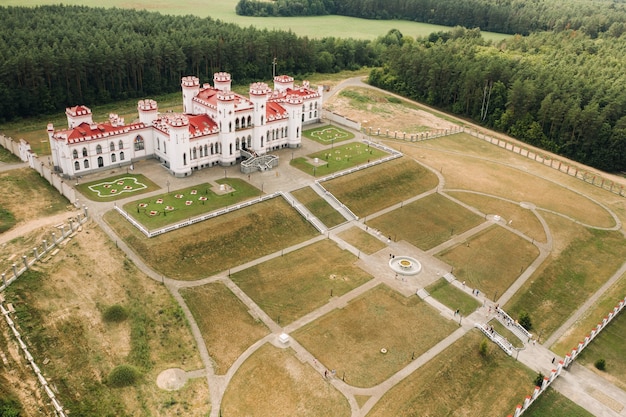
191 87
226 123
148 111
293 105
77 115
258 96
180 163
222 81
283 82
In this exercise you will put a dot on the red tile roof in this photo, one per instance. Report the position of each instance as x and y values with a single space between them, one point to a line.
87 132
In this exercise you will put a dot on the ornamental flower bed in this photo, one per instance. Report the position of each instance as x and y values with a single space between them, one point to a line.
178 196
202 199
194 192
159 201
154 212
169 208
143 205
188 202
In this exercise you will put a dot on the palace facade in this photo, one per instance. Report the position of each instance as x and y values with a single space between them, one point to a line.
217 127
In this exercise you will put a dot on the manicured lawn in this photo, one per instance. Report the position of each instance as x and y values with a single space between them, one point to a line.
426 222
460 382
373 189
553 404
319 207
328 135
565 282
442 291
479 261
337 159
164 209
361 240
350 340
215 245
117 187
290 286
226 326
275 382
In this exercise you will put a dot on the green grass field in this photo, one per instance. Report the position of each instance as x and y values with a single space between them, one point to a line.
337 158
295 284
313 27
442 291
361 240
553 404
117 187
319 207
328 135
373 189
164 209
426 222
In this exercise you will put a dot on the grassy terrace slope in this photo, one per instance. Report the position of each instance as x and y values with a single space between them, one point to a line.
220 243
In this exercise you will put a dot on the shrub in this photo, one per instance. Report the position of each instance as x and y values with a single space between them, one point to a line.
115 314
483 348
600 364
123 376
525 322
539 379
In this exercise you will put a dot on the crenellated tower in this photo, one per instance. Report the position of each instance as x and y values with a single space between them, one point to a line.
191 87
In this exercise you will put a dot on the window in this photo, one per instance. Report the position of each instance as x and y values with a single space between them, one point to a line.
84 151
86 163
310 106
158 144
121 156
261 141
230 148
120 144
206 148
249 121
211 149
184 159
111 146
316 105
112 157
75 154
100 162
237 144
76 165
164 147
98 149
261 120
230 126
139 145
194 154
236 124
249 141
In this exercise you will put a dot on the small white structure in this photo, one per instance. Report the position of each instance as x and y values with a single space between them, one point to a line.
284 338
217 127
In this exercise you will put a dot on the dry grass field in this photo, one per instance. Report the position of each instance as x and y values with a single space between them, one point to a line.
275 382
426 222
227 327
349 340
215 245
290 286
460 382
480 261
319 207
455 299
381 186
59 307
361 240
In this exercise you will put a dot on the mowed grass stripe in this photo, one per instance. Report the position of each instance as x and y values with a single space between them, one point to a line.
373 189
350 339
319 207
215 245
226 326
427 222
290 286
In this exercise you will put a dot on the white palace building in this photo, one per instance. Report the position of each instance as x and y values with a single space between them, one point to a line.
217 127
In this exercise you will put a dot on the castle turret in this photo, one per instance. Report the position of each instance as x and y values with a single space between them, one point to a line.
222 81
293 105
226 123
283 82
148 111
77 115
178 128
259 93
191 87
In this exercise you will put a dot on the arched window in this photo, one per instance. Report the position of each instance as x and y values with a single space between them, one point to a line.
112 157
86 163
111 146
76 166
98 149
230 148
121 156
200 150
310 115
164 147
195 153
303 108
100 162
303 117
315 113
211 147
316 105
249 121
249 141
236 124
297 132
237 144
75 154
261 141
158 144
206 148
310 106
230 126
261 120
286 131
120 144
84 151
139 145
184 159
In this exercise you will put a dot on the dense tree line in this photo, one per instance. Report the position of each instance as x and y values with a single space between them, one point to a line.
563 92
55 56
504 16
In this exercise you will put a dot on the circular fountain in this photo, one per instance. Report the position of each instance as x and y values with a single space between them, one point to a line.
405 265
